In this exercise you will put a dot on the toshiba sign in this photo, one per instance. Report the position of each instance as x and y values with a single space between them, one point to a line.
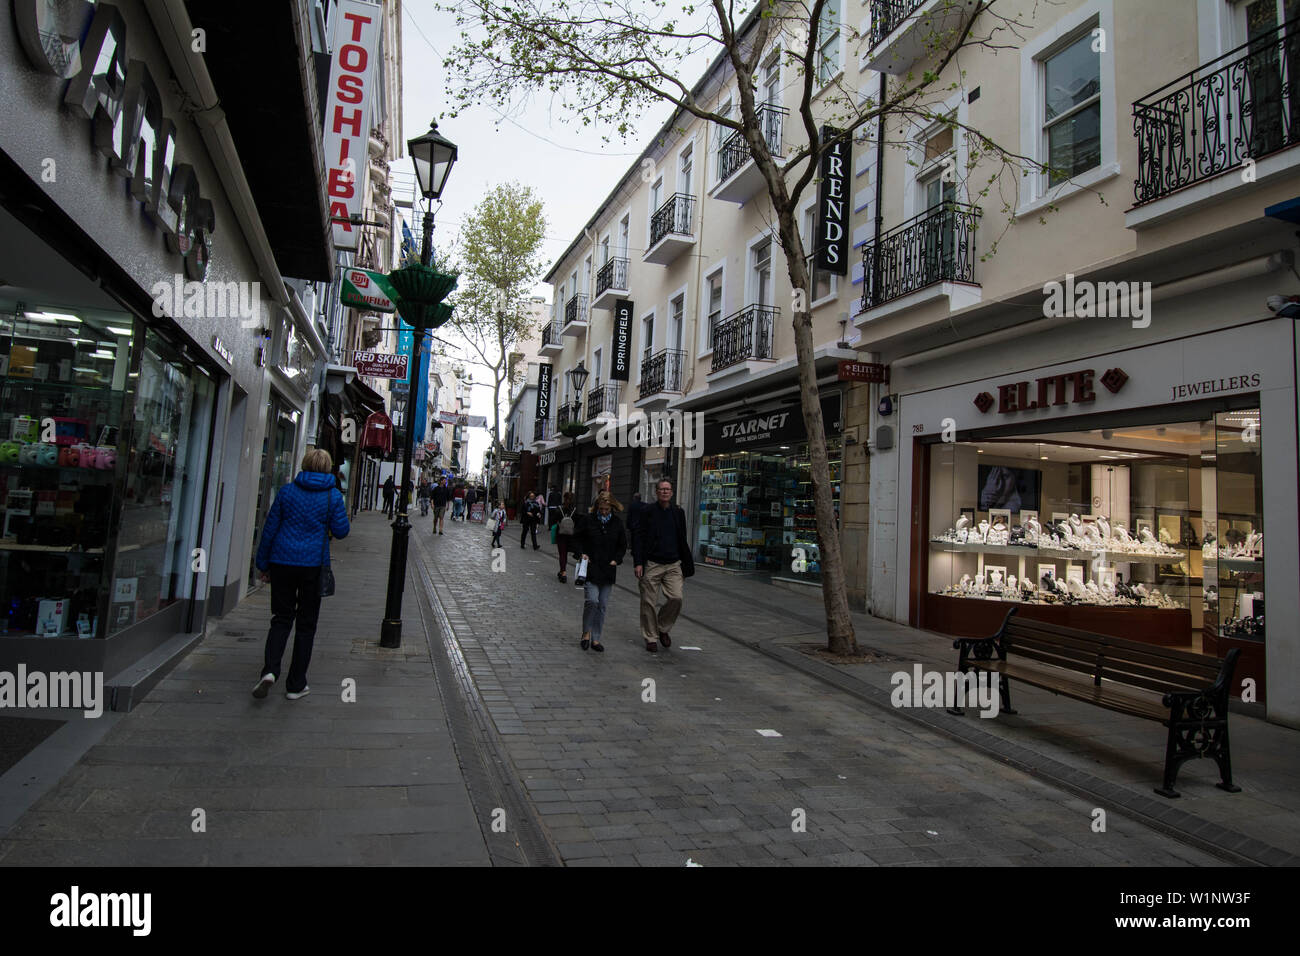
347 114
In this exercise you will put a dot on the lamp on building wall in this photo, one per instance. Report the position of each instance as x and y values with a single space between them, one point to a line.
420 291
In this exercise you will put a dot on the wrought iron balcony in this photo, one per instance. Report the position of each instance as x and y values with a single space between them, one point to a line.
542 429
673 217
602 399
576 309
1243 105
887 15
552 337
612 275
662 372
734 153
936 246
744 335
568 412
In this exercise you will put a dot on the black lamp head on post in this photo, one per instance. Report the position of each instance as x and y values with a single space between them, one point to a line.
578 378
433 156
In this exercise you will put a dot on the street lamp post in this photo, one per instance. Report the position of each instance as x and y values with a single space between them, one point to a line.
577 380
421 290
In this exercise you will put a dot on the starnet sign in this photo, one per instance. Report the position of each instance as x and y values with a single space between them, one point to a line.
347 112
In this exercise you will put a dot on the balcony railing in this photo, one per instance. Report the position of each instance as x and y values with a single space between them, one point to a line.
744 335
734 153
576 310
662 372
568 412
1243 105
886 15
673 217
936 246
601 399
542 430
551 334
612 275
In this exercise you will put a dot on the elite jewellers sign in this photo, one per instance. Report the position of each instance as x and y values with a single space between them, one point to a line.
347 112
1067 388
622 364
86 44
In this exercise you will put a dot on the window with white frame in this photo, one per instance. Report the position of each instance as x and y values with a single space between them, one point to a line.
761 276
721 133
937 177
1071 107
656 195
604 249
685 166
624 229
676 322
647 337
715 305
820 282
772 79
828 42
595 369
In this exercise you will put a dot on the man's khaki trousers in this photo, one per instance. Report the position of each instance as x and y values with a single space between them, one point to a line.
653 577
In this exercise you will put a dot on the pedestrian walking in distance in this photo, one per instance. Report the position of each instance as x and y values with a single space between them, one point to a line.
423 495
602 540
458 503
293 550
441 495
530 518
471 499
663 559
568 526
390 491
498 523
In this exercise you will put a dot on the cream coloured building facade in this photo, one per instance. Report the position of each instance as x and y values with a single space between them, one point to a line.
1086 353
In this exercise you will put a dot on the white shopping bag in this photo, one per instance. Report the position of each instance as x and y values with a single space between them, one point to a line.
581 576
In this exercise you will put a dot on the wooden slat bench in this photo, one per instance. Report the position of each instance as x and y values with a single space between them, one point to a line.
1103 671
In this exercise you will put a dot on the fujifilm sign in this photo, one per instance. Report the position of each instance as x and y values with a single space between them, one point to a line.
86 44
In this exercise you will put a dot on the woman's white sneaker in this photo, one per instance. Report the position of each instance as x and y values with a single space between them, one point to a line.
295 694
263 686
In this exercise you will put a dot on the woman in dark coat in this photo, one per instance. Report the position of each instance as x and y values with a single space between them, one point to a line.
293 549
566 542
601 539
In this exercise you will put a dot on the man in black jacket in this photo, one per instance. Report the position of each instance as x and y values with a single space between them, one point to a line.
441 495
663 559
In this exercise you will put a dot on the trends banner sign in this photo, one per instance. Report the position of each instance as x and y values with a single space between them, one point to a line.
543 392
832 202
621 367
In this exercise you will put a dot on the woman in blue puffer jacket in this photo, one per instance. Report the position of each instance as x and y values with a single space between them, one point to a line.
293 549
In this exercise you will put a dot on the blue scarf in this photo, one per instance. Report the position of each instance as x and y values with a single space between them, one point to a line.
604 519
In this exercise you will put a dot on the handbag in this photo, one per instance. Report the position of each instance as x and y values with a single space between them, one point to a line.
581 574
326 572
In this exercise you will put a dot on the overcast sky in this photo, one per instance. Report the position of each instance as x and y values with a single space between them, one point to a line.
567 165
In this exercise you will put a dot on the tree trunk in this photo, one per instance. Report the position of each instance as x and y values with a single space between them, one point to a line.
839 622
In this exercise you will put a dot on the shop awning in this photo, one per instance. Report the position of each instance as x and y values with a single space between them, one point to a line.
263 75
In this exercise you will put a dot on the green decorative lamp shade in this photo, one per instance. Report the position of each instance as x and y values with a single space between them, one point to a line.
419 287
439 316
574 429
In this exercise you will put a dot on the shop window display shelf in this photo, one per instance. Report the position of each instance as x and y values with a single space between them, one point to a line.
1112 557
53 548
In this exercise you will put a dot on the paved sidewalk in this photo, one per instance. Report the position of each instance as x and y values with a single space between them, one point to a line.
318 781
618 778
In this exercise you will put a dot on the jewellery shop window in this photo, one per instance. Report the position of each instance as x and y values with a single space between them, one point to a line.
166 463
65 388
1122 519
756 510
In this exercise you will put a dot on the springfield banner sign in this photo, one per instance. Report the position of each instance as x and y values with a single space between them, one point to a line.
381 364
363 289
347 113
832 203
621 367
